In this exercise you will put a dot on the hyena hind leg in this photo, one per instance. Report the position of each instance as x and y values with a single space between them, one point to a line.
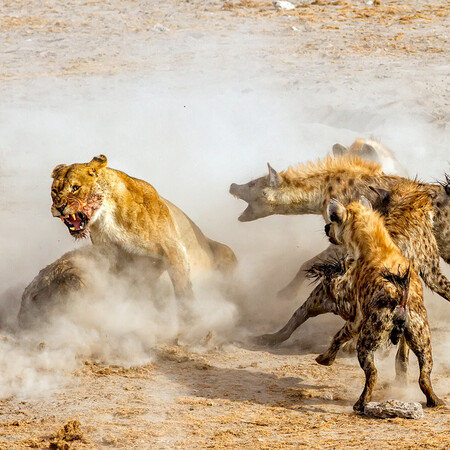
347 332
418 338
290 291
401 362
316 304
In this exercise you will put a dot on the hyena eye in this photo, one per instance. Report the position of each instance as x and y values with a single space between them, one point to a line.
75 188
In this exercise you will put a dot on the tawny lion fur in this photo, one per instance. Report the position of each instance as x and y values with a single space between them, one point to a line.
126 216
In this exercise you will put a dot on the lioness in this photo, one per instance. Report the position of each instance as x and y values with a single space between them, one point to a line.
126 216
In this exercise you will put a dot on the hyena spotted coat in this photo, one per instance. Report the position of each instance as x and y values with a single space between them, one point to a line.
408 213
308 188
380 296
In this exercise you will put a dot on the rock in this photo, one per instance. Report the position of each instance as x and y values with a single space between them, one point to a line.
394 408
159 27
287 6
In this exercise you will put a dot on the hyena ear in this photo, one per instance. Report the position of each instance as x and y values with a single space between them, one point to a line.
336 211
369 152
57 169
274 177
97 163
339 150
382 193
447 185
365 202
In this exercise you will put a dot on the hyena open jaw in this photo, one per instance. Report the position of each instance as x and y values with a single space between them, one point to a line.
380 296
307 189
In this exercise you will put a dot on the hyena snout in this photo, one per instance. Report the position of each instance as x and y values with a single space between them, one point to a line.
328 232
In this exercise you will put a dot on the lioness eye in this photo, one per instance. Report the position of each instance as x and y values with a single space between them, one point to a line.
75 188
54 191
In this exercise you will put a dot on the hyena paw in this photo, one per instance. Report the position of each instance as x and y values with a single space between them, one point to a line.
267 339
359 406
325 360
434 402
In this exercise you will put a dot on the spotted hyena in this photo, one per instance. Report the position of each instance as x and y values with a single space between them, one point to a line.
307 189
409 218
372 150
380 296
368 149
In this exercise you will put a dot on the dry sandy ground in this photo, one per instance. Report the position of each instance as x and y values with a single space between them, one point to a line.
232 397
226 394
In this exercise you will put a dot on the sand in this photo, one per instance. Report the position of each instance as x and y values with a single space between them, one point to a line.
222 392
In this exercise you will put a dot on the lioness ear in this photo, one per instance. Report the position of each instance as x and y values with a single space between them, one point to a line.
57 169
365 202
97 163
274 177
339 150
336 211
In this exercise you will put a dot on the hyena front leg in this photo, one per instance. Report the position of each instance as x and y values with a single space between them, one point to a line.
347 332
316 304
417 334
374 331
290 291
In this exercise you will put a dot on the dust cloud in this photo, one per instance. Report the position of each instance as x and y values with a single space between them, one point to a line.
190 143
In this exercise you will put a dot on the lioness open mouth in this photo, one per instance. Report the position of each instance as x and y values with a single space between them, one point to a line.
76 223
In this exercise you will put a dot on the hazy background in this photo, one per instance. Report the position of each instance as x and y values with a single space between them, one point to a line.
190 139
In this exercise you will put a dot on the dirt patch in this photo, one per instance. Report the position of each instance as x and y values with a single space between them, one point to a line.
227 394
70 432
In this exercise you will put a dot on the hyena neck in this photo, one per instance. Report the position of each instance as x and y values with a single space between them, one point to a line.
368 238
304 198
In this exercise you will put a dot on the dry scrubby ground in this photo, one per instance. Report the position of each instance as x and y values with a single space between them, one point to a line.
232 395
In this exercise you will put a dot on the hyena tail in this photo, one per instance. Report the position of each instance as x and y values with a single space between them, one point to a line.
401 281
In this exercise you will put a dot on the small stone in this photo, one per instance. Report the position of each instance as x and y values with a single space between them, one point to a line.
394 408
287 6
159 27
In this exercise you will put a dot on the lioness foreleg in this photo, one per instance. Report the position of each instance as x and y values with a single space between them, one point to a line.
178 268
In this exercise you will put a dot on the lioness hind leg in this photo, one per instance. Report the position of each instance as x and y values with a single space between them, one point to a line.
224 258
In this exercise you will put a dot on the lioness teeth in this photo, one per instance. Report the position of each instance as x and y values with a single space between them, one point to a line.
73 217
72 228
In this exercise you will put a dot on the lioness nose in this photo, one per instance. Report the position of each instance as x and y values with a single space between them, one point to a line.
327 229
61 208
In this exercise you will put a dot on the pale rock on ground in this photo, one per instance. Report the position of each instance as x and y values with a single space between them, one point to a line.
394 408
